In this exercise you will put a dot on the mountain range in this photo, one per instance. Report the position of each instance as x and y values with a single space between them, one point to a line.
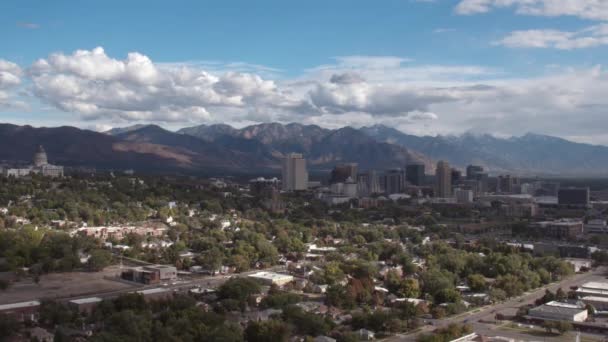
222 149
217 149
530 154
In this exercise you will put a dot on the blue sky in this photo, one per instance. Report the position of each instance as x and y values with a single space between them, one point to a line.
288 35
504 67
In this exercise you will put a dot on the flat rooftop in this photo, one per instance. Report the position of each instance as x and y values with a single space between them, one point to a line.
592 291
556 309
86 300
563 305
21 305
270 275
158 267
595 299
152 291
596 285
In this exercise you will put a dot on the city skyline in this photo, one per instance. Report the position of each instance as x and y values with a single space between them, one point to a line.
425 67
325 171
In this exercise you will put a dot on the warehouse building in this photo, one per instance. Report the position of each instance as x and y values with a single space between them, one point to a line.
594 289
558 311
598 303
22 312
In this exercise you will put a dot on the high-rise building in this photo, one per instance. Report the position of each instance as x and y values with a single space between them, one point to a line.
262 187
548 189
456 176
368 183
507 184
414 173
443 178
294 173
342 172
394 181
573 196
464 196
477 179
473 171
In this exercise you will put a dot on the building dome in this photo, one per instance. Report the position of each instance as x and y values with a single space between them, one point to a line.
40 157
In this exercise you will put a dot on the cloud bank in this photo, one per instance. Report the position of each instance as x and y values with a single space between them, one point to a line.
585 9
100 91
593 36
589 37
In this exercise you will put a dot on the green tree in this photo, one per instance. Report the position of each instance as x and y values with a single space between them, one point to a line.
229 332
435 280
447 296
239 289
438 312
337 295
560 295
477 282
8 326
212 259
511 284
262 331
100 258
306 323
332 273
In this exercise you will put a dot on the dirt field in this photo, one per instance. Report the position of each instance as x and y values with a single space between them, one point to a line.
62 285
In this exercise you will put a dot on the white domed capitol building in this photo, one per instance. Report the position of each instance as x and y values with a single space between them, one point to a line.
40 166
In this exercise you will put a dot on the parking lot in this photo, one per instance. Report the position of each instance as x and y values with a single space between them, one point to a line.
62 285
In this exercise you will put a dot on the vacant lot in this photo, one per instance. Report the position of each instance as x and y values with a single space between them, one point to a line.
63 285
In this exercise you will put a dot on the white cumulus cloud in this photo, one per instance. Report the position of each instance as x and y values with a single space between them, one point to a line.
97 86
593 36
10 74
422 99
586 9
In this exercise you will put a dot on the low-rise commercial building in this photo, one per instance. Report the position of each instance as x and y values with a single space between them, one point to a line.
559 229
150 274
148 229
22 312
467 338
557 311
598 303
573 196
579 264
594 289
563 250
85 305
155 294
272 278
596 226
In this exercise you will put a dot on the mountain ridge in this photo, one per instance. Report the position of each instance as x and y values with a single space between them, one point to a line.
259 148
530 153
322 147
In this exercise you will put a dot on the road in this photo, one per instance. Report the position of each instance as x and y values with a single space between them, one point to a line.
508 307
180 285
